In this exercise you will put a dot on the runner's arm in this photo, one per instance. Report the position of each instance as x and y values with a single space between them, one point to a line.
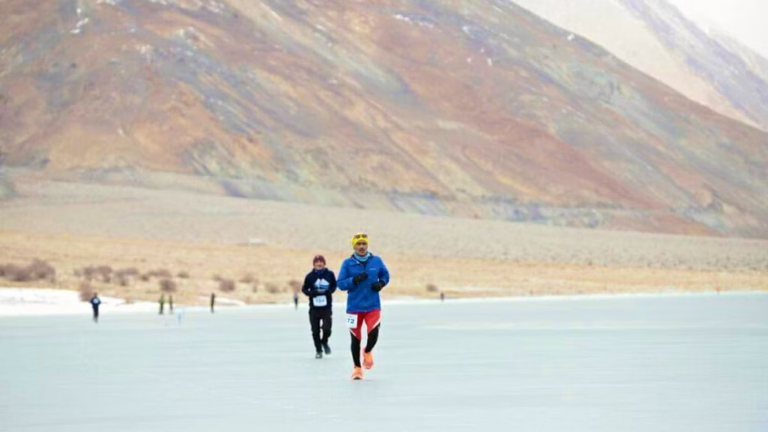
332 288
344 282
307 287
384 274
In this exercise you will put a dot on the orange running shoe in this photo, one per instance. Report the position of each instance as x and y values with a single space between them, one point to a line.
367 360
357 374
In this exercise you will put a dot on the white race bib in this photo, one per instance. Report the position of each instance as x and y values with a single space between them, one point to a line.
320 301
352 321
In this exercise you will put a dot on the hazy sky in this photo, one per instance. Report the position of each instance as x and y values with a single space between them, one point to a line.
745 20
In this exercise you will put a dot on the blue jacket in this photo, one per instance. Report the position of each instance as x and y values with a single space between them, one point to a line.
360 297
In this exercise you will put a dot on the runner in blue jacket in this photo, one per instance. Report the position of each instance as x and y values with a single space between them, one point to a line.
362 276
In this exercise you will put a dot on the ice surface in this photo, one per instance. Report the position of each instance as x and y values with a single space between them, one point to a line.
591 364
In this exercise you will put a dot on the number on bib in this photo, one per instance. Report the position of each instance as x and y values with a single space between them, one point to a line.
352 321
320 301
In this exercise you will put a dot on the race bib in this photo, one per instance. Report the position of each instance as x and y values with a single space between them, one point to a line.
352 321
320 301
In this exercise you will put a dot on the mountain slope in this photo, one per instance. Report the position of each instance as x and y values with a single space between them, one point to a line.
465 108
653 36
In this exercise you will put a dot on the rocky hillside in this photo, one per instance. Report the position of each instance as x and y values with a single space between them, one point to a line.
468 108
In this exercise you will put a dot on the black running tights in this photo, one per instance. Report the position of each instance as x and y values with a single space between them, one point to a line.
373 337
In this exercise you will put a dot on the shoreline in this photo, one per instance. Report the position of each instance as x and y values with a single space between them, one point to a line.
31 302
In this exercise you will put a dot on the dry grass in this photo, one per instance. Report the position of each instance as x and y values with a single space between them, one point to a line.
456 277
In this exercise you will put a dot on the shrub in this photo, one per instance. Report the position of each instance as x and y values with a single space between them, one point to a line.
145 277
183 275
255 287
431 288
105 272
227 285
18 273
129 272
161 274
248 278
40 270
6 270
86 291
167 286
217 278
295 285
272 288
89 272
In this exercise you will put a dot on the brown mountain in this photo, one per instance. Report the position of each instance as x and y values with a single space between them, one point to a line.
464 108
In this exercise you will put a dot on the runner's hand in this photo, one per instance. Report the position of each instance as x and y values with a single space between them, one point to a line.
359 278
377 286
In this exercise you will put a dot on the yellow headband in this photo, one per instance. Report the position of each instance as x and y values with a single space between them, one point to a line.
358 238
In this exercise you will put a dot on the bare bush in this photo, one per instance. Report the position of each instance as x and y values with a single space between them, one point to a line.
161 274
105 272
294 285
167 286
272 288
89 272
42 270
217 278
122 280
248 278
86 291
18 273
183 275
432 288
145 277
227 285
36 270
6 270
255 287
129 272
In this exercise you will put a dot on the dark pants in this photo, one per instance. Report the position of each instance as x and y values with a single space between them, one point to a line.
320 319
96 313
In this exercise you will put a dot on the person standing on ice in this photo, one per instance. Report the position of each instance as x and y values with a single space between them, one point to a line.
95 303
319 285
362 276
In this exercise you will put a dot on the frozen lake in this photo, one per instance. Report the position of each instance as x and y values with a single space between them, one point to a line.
589 364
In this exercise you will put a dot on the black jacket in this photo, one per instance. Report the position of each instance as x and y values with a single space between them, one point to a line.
319 287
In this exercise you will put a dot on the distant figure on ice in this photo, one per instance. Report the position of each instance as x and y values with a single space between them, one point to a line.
296 300
363 275
442 296
319 285
170 303
162 303
213 301
95 302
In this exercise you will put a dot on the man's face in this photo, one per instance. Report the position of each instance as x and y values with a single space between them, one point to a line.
361 248
319 265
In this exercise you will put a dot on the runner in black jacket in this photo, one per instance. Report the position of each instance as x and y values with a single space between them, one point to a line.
319 285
